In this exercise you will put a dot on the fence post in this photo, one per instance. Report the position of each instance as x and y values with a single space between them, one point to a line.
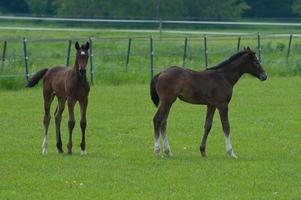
4 52
206 51
258 47
185 51
91 61
151 57
25 58
128 54
68 52
238 44
289 47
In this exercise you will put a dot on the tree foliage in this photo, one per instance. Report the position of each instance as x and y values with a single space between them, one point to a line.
150 9
45 7
13 6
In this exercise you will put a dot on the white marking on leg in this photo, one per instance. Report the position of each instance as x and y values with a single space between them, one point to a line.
157 146
45 145
229 147
228 143
83 152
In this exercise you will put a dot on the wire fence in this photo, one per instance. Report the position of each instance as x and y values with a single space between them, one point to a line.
119 59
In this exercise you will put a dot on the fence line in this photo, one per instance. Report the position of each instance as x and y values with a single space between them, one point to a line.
149 21
128 53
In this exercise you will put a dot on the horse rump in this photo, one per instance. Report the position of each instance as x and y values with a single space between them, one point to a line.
153 91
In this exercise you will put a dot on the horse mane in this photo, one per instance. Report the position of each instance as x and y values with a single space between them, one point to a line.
226 62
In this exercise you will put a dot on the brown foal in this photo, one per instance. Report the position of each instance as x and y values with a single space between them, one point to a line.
69 85
212 87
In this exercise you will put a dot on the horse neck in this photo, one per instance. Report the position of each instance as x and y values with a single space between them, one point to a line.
233 71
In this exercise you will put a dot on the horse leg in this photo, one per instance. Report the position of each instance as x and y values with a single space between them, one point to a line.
223 111
160 121
156 122
83 124
71 123
207 128
48 97
58 119
166 147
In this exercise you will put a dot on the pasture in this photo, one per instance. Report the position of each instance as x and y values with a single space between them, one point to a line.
48 48
265 130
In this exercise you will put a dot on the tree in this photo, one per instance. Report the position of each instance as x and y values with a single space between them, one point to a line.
80 8
296 6
223 9
269 9
45 7
14 6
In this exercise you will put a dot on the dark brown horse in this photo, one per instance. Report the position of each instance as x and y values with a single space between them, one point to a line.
212 87
69 85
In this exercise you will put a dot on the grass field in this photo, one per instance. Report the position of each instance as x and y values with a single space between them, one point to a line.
265 129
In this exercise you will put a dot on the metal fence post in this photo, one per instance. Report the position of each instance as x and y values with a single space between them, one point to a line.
128 54
238 44
4 52
25 58
289 47
91 62
206 51
258 47
68 52
185 51
151 57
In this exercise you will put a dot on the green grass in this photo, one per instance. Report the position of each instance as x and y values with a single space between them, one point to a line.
265 131
49 48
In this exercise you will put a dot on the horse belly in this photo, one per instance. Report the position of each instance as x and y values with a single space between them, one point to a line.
195 98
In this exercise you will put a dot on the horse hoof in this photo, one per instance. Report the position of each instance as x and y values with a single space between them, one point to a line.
231 153
203 151
233 156
83 152
157 152
168 153
44 151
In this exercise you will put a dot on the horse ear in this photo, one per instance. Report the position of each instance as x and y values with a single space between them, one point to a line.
245 49
77 47
248 48
87 46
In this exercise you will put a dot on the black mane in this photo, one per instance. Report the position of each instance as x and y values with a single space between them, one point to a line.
229 60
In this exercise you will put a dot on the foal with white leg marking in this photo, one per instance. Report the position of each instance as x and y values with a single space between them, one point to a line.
69 85
212 87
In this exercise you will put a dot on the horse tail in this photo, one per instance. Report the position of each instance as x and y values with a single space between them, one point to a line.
153 91
36 78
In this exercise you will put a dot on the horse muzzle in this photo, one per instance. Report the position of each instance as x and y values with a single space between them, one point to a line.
263 76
